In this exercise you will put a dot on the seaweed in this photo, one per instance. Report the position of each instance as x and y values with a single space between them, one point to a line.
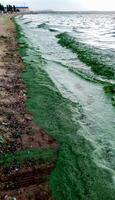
87 55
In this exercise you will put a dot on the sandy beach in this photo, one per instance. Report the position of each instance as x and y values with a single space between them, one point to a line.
21 178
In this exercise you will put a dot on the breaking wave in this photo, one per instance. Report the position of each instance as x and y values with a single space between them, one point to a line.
99 62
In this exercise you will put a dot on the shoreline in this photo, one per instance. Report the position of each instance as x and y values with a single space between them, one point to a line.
20 136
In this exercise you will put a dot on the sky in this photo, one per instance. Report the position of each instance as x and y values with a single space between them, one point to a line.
75 5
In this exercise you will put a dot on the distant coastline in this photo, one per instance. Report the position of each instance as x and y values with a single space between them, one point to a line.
68 12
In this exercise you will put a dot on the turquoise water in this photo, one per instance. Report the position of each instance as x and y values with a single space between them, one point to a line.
66 96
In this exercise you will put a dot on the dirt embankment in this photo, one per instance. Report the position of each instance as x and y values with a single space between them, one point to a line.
18 132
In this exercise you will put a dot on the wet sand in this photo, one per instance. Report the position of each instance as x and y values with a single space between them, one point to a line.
18 132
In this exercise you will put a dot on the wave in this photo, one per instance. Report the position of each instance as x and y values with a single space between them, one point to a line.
43 25
89 76
46 26
53 30
98 61
110 88
28 22
76 30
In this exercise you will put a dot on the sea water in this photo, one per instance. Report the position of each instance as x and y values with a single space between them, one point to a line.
69 58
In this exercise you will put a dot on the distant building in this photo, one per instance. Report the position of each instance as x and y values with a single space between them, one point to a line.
22 8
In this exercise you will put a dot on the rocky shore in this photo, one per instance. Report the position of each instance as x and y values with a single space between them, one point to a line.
21 176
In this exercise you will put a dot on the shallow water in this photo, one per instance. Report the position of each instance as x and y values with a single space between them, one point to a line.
81 117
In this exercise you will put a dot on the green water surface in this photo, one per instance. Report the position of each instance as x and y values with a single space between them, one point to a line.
85 165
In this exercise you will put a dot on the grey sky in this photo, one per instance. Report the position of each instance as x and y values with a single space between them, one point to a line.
65 4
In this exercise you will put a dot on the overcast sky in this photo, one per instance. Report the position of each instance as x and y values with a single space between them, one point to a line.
64 4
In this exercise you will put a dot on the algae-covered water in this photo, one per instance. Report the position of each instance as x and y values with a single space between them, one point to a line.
69 59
